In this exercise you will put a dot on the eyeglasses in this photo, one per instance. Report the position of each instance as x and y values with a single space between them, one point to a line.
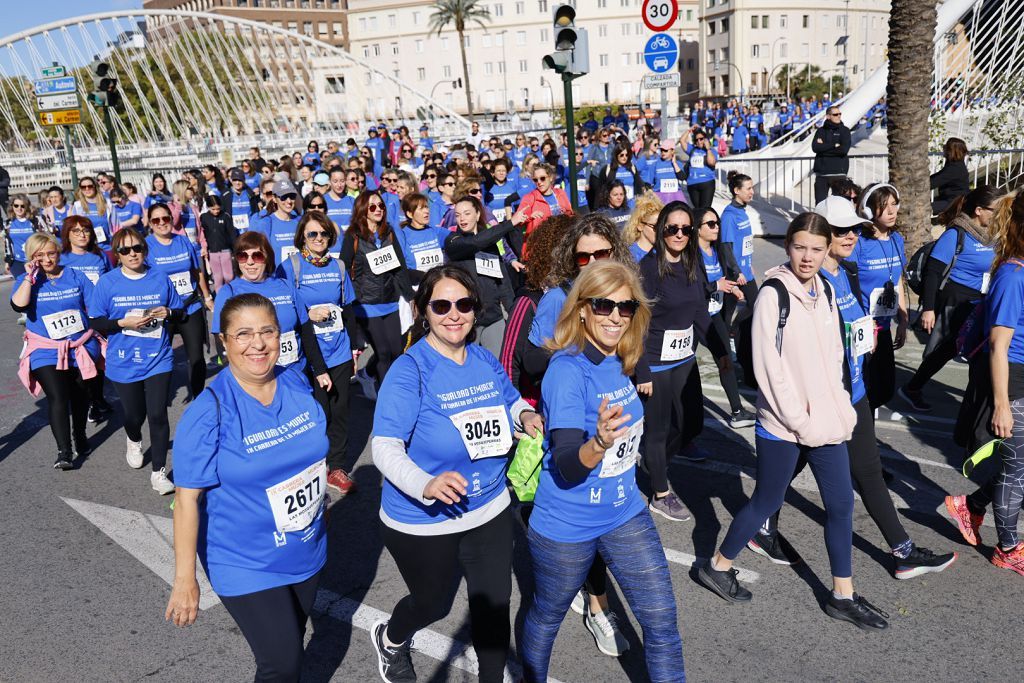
700 139
583 257
604 307
843 231
406 151
836 113
19 205
540 179
448 184
987 208
671 230
710 224
648 224
442 306
430 175
79 231
254 256
124 251
86 186
247 337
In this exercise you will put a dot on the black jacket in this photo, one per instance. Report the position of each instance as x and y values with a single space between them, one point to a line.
461 249
219 232
951 181
831 146
385 288
5 186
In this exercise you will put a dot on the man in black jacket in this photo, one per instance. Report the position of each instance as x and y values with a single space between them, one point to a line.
831 146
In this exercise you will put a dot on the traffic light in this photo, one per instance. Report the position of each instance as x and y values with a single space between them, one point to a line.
104 86
571 44
457 83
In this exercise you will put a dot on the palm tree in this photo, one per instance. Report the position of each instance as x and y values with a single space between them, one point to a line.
459 13
911 65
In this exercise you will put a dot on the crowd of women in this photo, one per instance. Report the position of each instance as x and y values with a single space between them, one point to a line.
505 327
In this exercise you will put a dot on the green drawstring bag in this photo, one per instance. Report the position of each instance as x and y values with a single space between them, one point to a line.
524 472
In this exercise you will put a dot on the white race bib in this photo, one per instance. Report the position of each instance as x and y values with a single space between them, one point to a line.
286 252
629 190
499 215
151 330
488 264
182 282
715 302
862 335
485 431
190 233
383 260
333 323
63 323
581 185
985 277
669 185
296 501
428 258
877 310
748 245
677 344
241 221
697 161
622 454
289 348
101 234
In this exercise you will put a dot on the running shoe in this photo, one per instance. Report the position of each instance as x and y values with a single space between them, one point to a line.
693 453
133 453
340 481
669 507
393 664
22 319
1010 559
160 483
579 602
967 521
858 612
742 418
98 413
604 626
368 385
915 399
724 584
775 547
922 561
81 445
63 461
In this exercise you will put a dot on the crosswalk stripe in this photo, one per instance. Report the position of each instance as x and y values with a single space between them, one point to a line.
688 560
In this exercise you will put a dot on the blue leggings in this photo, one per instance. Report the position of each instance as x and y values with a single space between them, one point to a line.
637 561
1009 489
776 462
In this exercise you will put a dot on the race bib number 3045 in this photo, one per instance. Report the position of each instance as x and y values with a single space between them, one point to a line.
485 431
296 501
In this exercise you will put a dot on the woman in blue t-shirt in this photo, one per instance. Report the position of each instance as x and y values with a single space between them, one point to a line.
955 278
60 351
132 305
445 508
880 259
622 169
424 243
20 225
700 168
91 203
251 480
611 202
587 500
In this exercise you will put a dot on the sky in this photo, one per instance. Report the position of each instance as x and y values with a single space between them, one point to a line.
19 15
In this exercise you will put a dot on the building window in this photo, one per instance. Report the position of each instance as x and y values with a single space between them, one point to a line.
466 39
520 7
373 23
764 21
376 49
337 28
725 25
366 51
824 21
783 21
753 21
625 59
524 66
501 68
725 54
419 46
755 50
711 56
499 10
336 85
824 49
625 29
415 18
711 28
543 35
362 25
444 44
392 21
520 38
602 60
542 6
784 51
639 58
689 15
394 48
446 71
805 50
711 83
806 21
488 68
487 40
602 4
421 74
602 31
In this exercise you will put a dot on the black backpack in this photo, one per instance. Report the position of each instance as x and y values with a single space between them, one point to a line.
915 266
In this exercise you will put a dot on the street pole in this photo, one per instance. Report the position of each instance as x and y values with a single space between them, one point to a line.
664 112
570 135
69 148
113 143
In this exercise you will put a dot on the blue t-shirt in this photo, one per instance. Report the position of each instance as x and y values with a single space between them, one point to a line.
851 310
281 235
240 208
339 210
177 261
127 212
553 206
424 249
328 285
290 314
619 216
736 229
19 230
438 209
713 270
663 177
56 307
624 174
440 409
582 183
1004 306
59 215
637 251
972 265
134 355
878 262
571 393
263 468
699 170
100 224
496 196
152 199
548 309
90 264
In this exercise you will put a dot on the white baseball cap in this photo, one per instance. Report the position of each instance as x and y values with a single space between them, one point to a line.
839 212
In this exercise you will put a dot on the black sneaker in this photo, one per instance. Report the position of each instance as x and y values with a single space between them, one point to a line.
63 461
98 413
394 665
742 418
775 547
724 584
915 399
858 612
922 561
81 445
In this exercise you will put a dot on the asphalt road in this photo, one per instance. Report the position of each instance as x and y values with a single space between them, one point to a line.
85 556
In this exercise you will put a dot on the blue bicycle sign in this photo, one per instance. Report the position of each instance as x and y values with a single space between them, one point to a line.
661 53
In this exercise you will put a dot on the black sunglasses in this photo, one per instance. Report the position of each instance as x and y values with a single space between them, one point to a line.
845 230
604 307
670 230
583 257
710 224
313 234
316 206
443 306
124 251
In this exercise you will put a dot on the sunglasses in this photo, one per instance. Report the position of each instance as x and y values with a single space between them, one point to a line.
288 198
316 206
430 175
540 178
124 251
844 231
671 230
375 207
159 220
477 191
442 306
583 257
448 184
314 234
700 139
711 224
86 186
250 257
20 206
604 307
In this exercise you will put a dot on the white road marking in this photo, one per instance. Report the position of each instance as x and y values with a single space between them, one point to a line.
688 560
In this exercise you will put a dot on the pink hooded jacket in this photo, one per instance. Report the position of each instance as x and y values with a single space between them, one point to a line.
801 397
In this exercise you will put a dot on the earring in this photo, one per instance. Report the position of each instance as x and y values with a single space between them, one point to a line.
426 325
582 319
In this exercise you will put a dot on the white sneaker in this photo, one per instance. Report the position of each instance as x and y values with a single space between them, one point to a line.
579 603
133 453
160 483
604 626
22 319
368 385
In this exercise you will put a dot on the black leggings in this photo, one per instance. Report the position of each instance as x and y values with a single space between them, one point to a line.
147 399
880 370
193 336
63 387
384 334
273 622
740 328
701 194
663 414
335 406
944 351
430 567
727 377
95 388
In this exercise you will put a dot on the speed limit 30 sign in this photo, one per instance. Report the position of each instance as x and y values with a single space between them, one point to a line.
659 15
